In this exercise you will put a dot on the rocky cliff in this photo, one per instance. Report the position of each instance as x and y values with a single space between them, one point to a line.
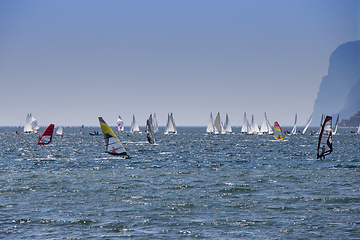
339 91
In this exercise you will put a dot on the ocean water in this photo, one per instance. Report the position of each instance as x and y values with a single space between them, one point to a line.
190 185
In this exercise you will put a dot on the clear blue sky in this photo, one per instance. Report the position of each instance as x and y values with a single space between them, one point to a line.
68 62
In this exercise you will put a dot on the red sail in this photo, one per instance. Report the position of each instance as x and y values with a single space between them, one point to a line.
46 136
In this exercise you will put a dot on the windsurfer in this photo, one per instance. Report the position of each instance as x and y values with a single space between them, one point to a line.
322 156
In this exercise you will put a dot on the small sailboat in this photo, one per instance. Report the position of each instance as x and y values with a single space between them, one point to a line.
254 127
358 130
325 139
307 125
219 128
293 131
31 125
134 127
155 124
210 127
265 126
120 124
170 125
245 129
336 125
318 131
227 127
278 133
150 135
112 143
46 137
60 131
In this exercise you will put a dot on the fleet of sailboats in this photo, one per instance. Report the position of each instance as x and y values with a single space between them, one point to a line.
113 145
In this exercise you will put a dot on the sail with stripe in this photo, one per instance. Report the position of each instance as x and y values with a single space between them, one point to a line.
46 137
325 139
278 133
120 124
112 143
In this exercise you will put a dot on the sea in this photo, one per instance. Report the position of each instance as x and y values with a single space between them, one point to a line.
191 185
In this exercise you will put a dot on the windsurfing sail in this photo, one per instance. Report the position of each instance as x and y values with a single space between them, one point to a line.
149 130
293 131
120 125
325 139
336 125
307 125
245 129
155 124
278 133
254 127
46 137
112 143
82 128
227 127
210 127
134 126
60 131
170 125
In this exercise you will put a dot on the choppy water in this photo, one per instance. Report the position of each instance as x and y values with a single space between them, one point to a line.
191 185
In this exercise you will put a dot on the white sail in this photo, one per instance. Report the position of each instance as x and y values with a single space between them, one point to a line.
217 124
149 130
134 126
293 131
120 125
27 126
269 126
155 124
227 126
60 131
336 125
245 127
170 125
210 127
321 122
265 126
34 124
307 125
254 126
358 130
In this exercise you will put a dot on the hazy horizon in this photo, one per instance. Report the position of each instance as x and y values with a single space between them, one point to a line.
68 62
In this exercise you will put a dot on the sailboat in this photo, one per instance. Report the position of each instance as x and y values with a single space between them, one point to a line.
227 127
265 126
134 126
293 131
307 125
60 131
358 130
170 125
149 130
112 143
278 133
245 129
318 131
336 125
210 127
31 125
325 139
155 124
46 137
219 128
120 125
254 127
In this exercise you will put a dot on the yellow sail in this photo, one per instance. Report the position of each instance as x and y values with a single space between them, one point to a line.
112 143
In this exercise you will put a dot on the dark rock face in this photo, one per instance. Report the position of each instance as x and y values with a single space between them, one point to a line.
339 91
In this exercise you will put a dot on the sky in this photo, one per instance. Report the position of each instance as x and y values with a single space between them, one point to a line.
69 62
